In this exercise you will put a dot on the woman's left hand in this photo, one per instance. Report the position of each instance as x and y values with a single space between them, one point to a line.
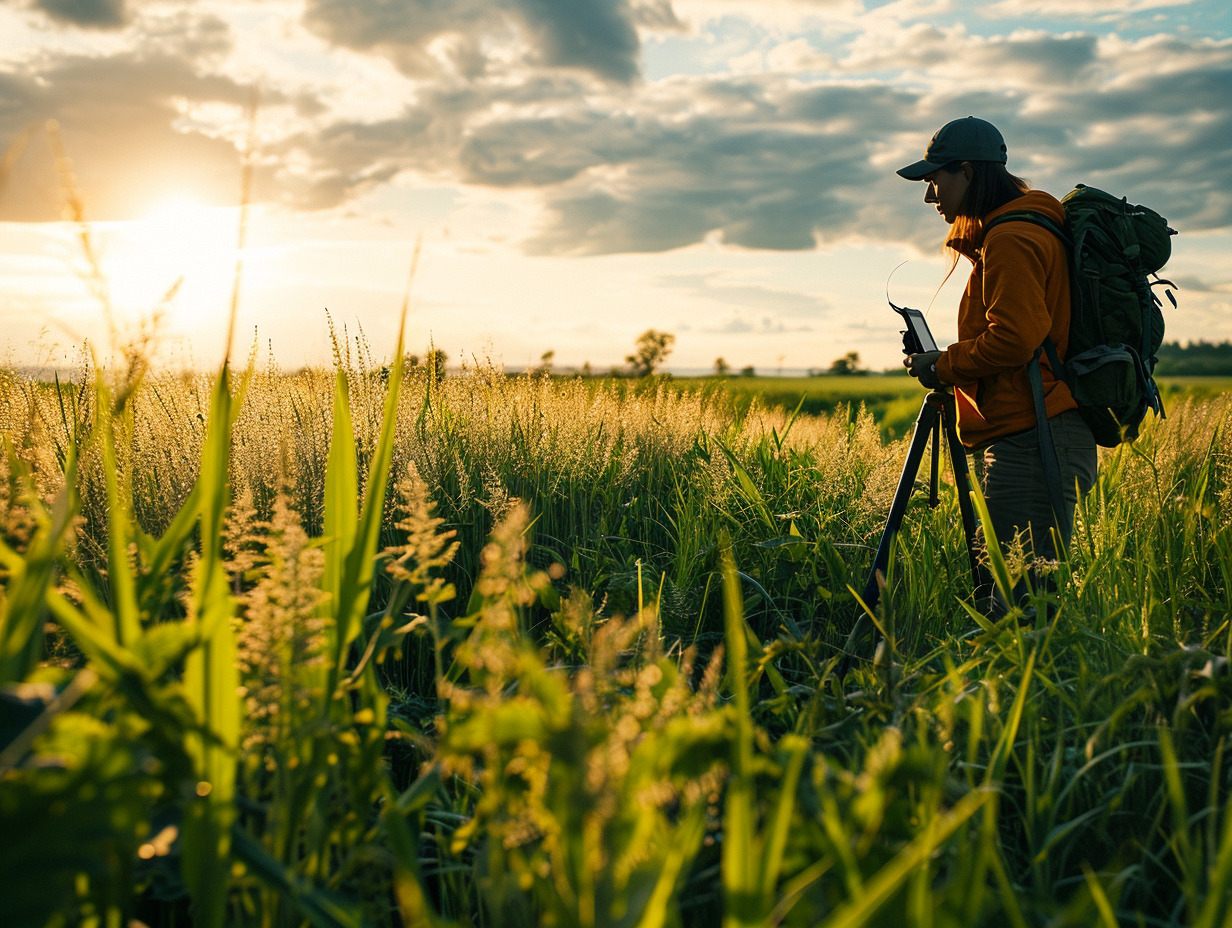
923 367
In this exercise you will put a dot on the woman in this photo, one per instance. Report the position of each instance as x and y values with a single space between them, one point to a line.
1017 295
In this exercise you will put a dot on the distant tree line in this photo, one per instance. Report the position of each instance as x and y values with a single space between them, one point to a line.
1197 359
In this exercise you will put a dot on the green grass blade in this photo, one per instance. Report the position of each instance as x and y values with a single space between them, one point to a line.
688 837
341 493
120 579
890 877
748 488
318 908
1005 744
210 682
111 660
360 538
29 580
740 879
781 818
1000 570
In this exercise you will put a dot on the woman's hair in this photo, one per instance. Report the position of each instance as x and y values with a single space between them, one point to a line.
991 186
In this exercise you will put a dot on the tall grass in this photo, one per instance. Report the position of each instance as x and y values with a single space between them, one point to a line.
362 647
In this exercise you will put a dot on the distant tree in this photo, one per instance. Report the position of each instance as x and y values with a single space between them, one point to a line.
545 362
652 349
748 371
721 368
847 365
434 361
1196 359
587 370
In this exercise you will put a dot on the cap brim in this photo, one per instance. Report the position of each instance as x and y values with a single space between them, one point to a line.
919 170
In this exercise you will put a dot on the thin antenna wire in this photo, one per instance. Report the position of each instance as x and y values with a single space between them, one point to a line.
891 274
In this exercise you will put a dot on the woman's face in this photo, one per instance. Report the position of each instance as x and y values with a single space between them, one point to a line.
946 189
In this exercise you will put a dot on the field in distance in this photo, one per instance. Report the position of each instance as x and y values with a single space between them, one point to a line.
893 399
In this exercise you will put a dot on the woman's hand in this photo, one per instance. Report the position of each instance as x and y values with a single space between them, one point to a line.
923 367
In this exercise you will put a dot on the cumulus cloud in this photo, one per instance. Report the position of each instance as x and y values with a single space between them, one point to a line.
540 96
1077 8
775 161
1022 59
598 36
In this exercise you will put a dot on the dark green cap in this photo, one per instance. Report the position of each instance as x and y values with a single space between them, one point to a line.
966 139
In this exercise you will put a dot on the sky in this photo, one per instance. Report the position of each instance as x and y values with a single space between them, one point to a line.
570 173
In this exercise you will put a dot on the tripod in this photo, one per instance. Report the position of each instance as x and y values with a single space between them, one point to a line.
937 418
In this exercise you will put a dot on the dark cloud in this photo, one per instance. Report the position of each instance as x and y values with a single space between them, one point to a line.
1164 140
760 166
88 14
1032 59
756 186
775 161
597 36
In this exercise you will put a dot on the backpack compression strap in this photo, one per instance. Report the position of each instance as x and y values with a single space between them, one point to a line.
1061 515
1048 452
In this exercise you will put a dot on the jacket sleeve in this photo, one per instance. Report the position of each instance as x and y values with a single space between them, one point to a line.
1018 314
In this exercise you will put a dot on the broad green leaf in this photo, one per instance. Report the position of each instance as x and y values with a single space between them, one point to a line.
211 682
120 579
23 603
889 878
355 542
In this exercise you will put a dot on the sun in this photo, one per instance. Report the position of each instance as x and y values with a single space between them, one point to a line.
183 233
181 246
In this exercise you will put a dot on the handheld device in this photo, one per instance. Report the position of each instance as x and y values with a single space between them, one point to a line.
917 338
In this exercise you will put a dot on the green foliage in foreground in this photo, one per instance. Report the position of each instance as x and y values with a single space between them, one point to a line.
580 668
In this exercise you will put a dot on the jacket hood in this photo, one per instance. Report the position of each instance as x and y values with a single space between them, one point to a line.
1035 201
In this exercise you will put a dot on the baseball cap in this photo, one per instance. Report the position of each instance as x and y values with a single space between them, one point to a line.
966 139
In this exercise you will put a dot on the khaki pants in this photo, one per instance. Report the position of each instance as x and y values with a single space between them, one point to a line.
1011 474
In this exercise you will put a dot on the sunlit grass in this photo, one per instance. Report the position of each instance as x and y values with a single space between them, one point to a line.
540 715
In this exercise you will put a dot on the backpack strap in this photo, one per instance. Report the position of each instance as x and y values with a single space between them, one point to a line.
1030 215
1048 450
1070 246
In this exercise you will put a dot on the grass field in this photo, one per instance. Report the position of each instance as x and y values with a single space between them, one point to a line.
349 648
893 399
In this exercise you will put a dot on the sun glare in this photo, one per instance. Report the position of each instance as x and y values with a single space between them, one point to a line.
179 242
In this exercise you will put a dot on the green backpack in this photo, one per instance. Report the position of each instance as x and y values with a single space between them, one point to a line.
1116 326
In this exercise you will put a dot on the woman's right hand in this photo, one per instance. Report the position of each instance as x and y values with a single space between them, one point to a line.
923 367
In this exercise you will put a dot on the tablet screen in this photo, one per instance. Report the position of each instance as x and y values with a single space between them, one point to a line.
918 326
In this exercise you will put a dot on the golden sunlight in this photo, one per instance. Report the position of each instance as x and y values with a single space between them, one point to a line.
181 245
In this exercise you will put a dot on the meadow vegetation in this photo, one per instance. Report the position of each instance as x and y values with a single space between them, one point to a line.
366 647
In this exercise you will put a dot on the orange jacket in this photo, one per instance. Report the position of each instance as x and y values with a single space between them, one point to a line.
1017 294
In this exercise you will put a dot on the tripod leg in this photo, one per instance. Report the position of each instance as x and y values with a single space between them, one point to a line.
925 427
934 481
962 482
